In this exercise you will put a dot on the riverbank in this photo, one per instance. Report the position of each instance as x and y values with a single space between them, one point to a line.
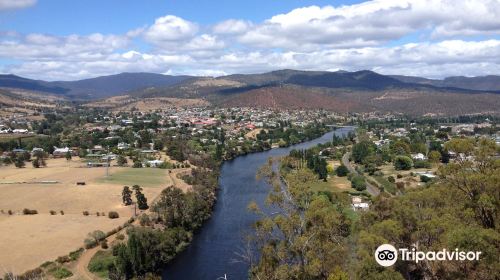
219 247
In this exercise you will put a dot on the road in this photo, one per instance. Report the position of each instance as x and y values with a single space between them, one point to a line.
371 189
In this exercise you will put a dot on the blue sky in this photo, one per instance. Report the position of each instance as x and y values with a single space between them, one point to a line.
67 40
63 17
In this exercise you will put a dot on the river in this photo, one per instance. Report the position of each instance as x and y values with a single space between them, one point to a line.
213 251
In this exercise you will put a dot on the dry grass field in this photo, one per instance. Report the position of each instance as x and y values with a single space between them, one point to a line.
28 241
410 182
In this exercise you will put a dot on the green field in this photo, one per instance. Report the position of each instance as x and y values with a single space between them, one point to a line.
100 262
144 177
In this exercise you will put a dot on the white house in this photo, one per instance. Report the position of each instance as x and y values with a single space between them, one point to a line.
123 146
418 156
155 163
22 131
61 152
360 206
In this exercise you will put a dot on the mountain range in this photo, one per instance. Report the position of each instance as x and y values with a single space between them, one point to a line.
359 91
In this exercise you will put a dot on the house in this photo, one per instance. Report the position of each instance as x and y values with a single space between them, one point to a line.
123 146
360 206
97 149
18 151
418 156
20 131
61 152
154 163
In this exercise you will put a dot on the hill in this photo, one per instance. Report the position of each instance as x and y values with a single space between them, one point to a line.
483 83
360 91
94 88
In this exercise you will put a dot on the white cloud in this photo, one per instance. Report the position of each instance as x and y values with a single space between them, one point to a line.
231 27
374 22
352 37
451 57
16 4
47 47
169 29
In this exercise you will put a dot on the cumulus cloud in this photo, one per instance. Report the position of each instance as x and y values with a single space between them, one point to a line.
169 29
373 23
422 59
232 27
47 47
16 4
351 37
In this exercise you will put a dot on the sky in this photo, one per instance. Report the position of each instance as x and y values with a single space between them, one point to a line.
71 40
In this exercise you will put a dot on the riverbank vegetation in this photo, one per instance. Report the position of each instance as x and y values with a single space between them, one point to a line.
310 234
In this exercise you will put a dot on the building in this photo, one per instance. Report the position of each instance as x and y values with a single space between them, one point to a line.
61 152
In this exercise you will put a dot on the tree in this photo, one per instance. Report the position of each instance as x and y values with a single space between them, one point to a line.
36 163
121 160
68 156
306 239
142 202
97 236
126 196
434 156
358 183
403 163
362 150
19 163
342 171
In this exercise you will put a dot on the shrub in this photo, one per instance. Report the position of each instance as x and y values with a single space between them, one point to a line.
46 264
400 185
62 212
10 212
358 182
424 179
52 212
85 213
36 273
342 171
422 164
120 236
391 179
403 163
61 273
89 243
137 164
98 214
27 211
101 262
104 244
113 215
144 220
63 259
399 176
76 254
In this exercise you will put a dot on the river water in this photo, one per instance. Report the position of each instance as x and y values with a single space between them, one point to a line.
214 250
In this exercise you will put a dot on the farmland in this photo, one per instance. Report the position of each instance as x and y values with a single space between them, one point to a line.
29 240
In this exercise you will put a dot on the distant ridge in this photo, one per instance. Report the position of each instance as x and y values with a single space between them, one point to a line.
94 88
484 83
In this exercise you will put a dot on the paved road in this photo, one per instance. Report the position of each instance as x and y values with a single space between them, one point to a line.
374 191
